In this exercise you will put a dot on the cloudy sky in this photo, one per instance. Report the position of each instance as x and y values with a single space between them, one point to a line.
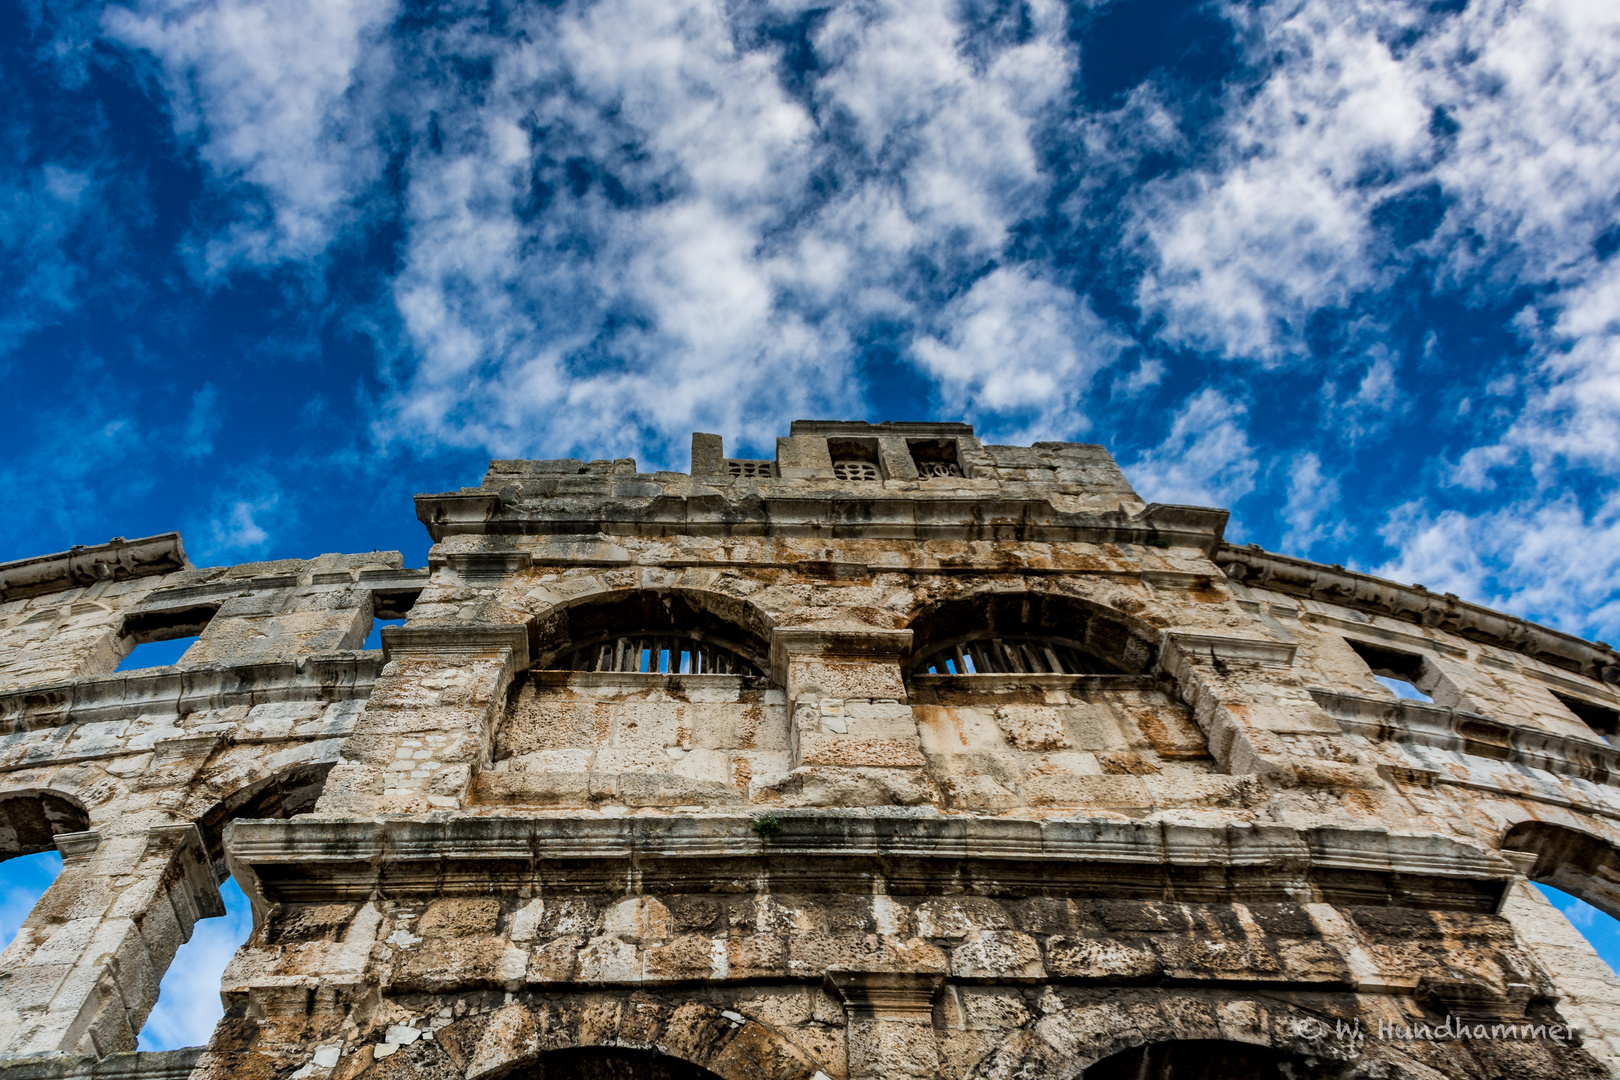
1344 266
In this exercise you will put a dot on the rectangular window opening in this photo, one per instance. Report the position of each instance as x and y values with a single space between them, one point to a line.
1600 718
161 638
1403 689
151 654
374 639
855 459
1399 672
393 604
935 457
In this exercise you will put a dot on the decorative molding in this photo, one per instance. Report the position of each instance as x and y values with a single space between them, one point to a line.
906 996
116 560
1422 724
76 846
1414 603
141 1065
440 639
308 858
160 691
1229 649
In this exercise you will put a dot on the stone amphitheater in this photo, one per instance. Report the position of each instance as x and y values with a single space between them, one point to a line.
897 756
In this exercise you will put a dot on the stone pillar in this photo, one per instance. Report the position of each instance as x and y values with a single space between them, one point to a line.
708 454
1256 722
83 972
895 454
1591 989
803 457
891 1022
848 721
430 720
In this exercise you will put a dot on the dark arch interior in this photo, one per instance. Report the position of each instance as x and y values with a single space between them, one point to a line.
30 822
1102 643
292 791
1209 1059
611 1063
709 618
1571 861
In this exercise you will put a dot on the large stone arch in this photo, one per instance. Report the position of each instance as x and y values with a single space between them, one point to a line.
1062 1044
278 793
87 785
1571 856
508 1041
733 621
1123 642
1213 1059
612 1063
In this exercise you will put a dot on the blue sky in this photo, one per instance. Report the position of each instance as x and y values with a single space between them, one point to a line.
1344 266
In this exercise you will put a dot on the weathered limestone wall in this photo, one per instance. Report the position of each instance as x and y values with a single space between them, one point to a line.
1185 817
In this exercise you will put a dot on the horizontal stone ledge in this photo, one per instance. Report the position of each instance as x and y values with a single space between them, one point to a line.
143 1065
1194 645
1442 728
822 514
362 852
334 676
456 638
945 689
116 560
1416 604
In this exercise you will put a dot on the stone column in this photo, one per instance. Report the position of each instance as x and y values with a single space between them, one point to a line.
83 972
430 720
847 713
891 1023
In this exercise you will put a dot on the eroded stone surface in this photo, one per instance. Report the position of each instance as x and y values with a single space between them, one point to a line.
834 835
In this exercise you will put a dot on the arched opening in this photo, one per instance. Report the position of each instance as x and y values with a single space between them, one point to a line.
1026 633
188 1006
655 631
1579 874
1210 1059
30 821
1571 861
281 795
610 1063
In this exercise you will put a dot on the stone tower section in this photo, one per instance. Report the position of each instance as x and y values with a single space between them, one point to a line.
897 755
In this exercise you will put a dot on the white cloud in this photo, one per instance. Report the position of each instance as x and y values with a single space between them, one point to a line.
1019 354
1548 560
44 212
281 102
1312 511
760 238
243 519
1206 459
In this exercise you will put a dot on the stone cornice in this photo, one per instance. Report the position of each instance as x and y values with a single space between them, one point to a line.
1470 733
1413 603
437 639
116 560
155 691
345 857
142 1065
797 511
